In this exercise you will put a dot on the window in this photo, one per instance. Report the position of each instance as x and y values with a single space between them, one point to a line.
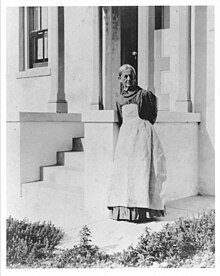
38 36
33 37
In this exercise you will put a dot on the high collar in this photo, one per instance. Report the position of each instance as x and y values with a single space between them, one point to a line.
130 91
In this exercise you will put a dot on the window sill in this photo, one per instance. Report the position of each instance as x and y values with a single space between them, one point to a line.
34 73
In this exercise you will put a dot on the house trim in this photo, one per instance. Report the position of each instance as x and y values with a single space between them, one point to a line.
34 73
49 117
110 116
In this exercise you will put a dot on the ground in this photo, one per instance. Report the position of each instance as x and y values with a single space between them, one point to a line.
113 236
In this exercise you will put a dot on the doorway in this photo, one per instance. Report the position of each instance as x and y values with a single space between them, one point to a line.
119 45
129 36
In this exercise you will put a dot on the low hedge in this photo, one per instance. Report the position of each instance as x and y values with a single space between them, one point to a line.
177 245
174 244
27 242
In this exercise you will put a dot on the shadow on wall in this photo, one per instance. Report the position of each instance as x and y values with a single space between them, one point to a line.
204 97
206 162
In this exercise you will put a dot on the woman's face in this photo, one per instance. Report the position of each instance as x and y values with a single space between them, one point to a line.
127 78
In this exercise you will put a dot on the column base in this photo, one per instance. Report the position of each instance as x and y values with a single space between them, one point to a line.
96 106
183 106
163 102
58 107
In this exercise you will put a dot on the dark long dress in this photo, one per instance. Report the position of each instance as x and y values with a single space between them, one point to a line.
136 188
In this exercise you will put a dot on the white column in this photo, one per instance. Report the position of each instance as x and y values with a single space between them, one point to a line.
146 26
162 64
111 55
183 102
57 102
96 102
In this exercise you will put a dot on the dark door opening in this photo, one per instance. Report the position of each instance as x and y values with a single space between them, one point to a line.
129 36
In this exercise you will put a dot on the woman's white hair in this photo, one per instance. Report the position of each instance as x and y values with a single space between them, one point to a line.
125 67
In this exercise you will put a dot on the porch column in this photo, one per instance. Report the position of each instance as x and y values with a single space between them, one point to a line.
96 102
183 102
162 64
146 26
111 56
57 102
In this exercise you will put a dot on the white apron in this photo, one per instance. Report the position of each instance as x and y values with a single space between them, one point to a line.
139 168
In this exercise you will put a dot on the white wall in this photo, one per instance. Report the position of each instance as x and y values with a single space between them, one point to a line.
180 143
23 94
31 94
204 95
78 57
202 82
166 41
41 137
13 106
169 43
13 160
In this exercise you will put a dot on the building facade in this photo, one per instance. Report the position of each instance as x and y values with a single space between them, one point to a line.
62 65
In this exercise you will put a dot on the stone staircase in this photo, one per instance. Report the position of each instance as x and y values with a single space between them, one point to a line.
60 189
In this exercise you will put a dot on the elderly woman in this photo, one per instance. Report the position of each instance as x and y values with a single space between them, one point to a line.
136 187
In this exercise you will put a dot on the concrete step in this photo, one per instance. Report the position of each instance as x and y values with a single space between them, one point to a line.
39 188
63 178
60 191
45 203
74 159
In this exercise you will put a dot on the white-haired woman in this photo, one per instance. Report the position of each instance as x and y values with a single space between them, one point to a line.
136 188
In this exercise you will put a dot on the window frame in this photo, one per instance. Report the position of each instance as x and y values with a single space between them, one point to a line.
24 70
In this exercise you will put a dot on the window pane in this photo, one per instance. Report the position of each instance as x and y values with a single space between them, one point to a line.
45 45
40 48
38 36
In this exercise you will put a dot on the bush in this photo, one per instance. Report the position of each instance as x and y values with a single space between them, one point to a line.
184 243
28 241
174 243
83 255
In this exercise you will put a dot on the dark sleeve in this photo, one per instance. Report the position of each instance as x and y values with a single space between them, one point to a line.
119 111
147 106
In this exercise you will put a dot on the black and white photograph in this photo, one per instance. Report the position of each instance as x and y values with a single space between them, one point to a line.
108 111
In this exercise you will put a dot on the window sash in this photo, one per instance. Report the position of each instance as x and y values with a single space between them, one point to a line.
38 40
33 37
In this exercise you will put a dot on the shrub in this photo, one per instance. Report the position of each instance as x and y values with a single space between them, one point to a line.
83 255
175 242
184 243
174 246
28 241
